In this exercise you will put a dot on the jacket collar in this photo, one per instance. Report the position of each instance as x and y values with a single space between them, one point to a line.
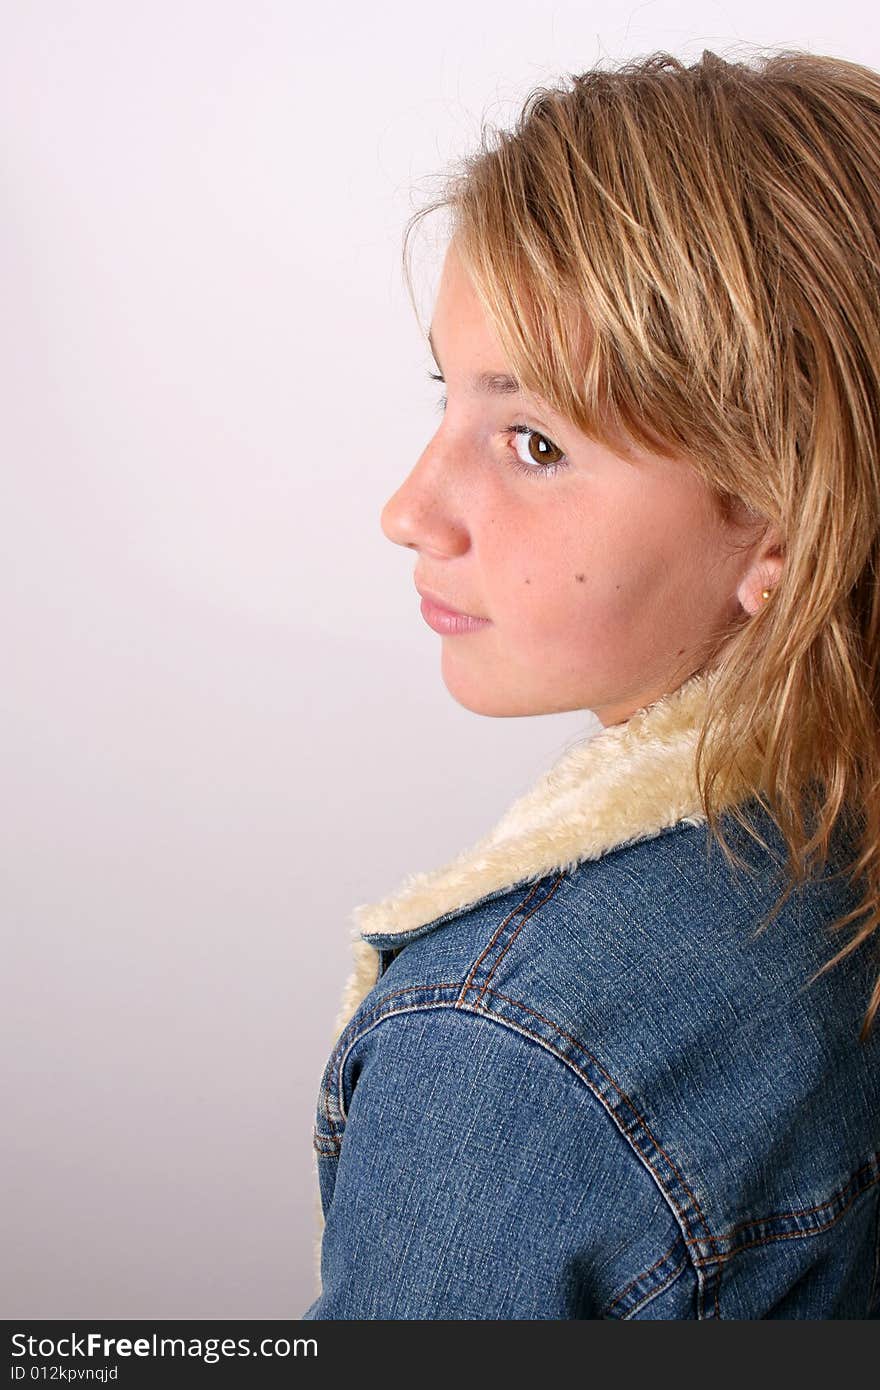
627 782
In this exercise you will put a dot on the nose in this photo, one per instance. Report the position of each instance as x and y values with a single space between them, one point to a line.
422 513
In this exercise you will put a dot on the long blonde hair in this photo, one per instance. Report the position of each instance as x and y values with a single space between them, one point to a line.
687 258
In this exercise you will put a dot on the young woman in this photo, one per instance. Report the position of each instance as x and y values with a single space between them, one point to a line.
618 1059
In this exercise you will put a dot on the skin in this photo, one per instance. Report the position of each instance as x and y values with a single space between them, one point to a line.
602 581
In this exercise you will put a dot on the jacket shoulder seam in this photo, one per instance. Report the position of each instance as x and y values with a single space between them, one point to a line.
803 1222
707 1251
519 1018
645 1286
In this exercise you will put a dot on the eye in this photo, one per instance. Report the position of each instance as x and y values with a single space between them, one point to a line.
544 457
541 450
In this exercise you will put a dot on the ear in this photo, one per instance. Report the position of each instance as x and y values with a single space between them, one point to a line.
762 573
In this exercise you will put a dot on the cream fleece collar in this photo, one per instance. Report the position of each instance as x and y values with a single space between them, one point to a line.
624 783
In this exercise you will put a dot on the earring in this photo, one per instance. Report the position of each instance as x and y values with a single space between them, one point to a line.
765 593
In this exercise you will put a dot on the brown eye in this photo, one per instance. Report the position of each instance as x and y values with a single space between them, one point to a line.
542 456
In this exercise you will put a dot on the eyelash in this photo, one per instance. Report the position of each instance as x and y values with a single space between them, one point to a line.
540 470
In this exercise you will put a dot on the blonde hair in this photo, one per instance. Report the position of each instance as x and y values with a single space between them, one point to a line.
687 259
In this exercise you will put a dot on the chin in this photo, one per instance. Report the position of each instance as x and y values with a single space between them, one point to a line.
491 708
494 703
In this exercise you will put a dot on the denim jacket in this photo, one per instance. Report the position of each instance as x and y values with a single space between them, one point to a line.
572 1078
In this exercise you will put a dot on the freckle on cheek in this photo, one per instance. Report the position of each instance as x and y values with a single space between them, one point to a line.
528 581
579 578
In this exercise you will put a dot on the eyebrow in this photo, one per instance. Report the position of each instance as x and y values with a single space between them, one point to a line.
485 383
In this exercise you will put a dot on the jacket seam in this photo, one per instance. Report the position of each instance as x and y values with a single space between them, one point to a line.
856 1185
468 984
870 1171
870 1166
679 1215
645 1274
356 1018
706 1285
660 1288
700 1261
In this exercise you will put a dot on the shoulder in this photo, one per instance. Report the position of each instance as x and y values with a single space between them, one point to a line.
660 941
466 1171
732 1077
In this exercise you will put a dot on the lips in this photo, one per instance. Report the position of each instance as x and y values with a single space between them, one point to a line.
437 602
445 619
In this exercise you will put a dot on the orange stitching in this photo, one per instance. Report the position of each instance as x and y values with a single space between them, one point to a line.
805 1211
627 1101
340 1042
711 1240
495 935
652 1293
718 1258
416 989
515 935
444 984
626 1130
632 1283
789 1235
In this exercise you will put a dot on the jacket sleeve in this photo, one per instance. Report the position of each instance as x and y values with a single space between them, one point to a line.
477 1176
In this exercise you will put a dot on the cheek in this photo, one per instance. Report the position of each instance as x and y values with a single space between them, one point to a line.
595 561
650 545
561 596
593 558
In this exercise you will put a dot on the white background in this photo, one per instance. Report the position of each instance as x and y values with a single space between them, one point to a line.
223 722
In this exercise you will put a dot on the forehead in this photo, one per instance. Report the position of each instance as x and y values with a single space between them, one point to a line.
458 310
483 383
461 332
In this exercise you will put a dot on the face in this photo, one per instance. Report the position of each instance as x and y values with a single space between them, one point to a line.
600 579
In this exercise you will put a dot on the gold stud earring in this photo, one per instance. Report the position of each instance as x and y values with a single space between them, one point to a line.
765 593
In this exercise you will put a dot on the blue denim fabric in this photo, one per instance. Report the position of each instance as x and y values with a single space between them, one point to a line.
602 1095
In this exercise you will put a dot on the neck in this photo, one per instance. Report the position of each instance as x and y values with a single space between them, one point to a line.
626 782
